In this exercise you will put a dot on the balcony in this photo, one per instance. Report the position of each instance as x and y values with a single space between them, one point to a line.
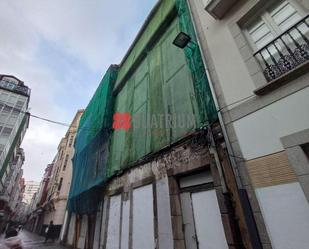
286 54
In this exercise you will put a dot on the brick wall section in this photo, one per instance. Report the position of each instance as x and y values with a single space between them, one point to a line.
271 170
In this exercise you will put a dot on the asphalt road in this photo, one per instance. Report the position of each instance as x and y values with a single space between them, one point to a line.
33 241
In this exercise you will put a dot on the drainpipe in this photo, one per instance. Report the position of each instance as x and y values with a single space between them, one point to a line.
253 233
213 93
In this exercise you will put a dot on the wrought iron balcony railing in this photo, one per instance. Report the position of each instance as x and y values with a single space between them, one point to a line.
286 52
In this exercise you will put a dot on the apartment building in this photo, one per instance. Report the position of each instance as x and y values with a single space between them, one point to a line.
18 205
14 120
35 215
56 183
257 58
14 188
14 100
31 187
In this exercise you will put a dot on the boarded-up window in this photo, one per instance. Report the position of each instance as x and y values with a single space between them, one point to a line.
207 219
113 229
125 225
143 223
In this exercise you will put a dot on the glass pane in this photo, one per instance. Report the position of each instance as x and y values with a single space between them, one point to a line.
290 21
260 33
258 30
264 40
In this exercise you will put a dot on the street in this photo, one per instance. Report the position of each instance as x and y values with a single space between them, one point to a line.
34 241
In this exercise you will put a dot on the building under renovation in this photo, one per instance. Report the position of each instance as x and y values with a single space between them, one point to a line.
151 169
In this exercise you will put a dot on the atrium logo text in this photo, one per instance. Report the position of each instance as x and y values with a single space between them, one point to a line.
125 121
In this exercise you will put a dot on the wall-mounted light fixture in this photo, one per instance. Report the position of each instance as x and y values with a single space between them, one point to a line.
183 40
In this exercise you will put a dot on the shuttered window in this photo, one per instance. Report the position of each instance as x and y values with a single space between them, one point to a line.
284 15
260 33
272 22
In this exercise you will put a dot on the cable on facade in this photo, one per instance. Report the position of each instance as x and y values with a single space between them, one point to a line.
236 102
46 119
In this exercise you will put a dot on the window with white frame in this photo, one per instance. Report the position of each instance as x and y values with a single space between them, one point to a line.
279 37
272 22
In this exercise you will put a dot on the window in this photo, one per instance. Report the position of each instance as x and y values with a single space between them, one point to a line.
19 104
272 23
6 131
305 148
280 38
60 184
65 162
7 109
61 154
71 141
18 107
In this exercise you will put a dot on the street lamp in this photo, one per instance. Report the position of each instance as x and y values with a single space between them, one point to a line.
183 40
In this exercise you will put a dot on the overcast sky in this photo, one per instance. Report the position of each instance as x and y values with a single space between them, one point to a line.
61 49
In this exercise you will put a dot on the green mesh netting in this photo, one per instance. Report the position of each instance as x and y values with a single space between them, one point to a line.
166 93
205 101
161 88
168 82
91 148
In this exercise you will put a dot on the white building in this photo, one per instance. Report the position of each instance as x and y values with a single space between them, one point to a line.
31 188
14 99
14 119
257 55
60 180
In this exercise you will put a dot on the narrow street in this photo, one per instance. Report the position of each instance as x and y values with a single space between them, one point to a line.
34 241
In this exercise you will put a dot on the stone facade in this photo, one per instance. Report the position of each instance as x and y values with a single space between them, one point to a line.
260 118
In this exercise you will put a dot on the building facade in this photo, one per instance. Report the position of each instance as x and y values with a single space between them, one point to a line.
15 189
14 120
257 56
53 193
19 211
35 214
154 171
31 187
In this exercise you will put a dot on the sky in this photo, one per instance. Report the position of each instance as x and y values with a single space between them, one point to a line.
61 50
